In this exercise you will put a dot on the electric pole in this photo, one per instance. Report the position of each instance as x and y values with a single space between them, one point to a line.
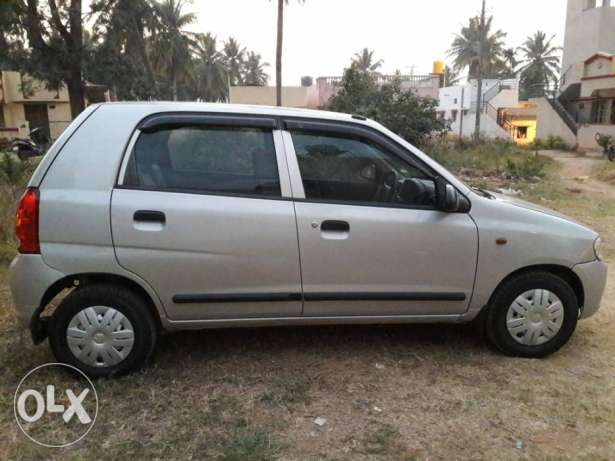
481 51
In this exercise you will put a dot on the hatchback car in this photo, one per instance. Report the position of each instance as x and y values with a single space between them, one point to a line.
143 218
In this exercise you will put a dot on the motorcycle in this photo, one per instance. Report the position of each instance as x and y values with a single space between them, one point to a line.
34 146
607 142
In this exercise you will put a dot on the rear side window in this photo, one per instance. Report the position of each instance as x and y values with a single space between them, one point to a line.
212 159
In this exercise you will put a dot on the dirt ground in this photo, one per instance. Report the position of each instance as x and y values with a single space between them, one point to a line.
395 392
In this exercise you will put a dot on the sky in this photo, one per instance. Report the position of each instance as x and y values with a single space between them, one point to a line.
321 36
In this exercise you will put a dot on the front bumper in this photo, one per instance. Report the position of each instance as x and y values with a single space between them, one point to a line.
593 277
29 279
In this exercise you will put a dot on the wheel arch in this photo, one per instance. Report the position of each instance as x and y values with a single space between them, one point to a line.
76 281
563 272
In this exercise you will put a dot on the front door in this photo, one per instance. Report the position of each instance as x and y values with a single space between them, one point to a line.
371 241
37 117
201 215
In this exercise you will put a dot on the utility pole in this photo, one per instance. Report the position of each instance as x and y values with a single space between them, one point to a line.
481 51
461 110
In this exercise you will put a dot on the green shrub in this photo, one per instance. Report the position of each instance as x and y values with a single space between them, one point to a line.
488 158
551 143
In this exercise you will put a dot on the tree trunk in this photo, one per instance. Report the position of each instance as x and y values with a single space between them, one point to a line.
174 85
76 92
278 60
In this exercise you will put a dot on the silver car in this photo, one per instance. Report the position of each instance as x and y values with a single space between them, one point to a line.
145 218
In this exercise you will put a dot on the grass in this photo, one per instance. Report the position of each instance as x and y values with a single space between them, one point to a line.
605 172
386 392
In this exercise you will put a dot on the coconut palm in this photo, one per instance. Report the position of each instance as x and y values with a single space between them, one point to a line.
364 61
278 57
234 57
210 70
125 23
171 47
254 71
541 64
466 46
451 76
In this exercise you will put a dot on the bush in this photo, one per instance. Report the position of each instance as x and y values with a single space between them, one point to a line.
488 158
14 175
413 118
551 143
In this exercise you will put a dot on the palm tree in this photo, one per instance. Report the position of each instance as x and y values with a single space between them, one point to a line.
126 23
451 76
466 46
254 71
541 64
510 62
211 73
278 56
234 57
364 61
171 47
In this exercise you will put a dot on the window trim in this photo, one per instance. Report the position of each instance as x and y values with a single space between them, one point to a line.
351 129
209 119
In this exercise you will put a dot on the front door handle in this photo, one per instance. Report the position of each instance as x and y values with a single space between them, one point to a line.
335 226
150 216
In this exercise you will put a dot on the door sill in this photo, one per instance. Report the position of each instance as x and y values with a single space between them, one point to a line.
298 321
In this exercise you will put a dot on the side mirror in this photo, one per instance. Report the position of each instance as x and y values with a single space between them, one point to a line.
448 199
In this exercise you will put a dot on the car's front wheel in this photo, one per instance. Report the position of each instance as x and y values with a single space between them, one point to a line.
103 330
532 315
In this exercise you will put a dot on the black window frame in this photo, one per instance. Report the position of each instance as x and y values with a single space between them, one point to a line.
345 129
174 120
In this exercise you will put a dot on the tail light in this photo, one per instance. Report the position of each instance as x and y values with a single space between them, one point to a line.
26 222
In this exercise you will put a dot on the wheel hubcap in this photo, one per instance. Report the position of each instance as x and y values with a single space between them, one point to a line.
100 336
535 317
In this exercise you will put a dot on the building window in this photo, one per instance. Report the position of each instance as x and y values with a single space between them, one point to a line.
522 132
598 111
2 125
454 115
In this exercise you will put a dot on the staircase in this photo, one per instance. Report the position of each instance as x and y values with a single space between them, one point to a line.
564 115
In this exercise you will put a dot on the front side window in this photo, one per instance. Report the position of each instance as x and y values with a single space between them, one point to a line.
341 168
206 159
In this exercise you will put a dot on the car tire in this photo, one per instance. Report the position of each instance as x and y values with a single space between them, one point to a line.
104 330
524 318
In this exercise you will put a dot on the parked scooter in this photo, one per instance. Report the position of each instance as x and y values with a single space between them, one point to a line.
34 146
607 142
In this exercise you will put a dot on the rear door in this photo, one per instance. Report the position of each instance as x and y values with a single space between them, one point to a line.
370 247
202 212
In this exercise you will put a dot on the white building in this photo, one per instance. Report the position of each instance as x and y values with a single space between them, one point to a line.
586 103
458 105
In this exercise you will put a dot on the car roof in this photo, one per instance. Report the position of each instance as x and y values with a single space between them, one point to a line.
162 106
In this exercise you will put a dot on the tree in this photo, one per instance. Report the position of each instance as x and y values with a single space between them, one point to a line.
234 60
413 118
364 61
451 76
211 73
541 65
509 63
254 73
307 80
55 51
278 55
171 45
465 48
121 61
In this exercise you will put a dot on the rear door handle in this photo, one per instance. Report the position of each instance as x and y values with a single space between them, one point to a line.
150 216
335 226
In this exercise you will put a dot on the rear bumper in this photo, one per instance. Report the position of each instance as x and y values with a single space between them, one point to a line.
29 279
593 277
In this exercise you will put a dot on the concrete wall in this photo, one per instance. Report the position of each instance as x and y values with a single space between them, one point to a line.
488 127
549 123
587 135
15 88
588 31
266 95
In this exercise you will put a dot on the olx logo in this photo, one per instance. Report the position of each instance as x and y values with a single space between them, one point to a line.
52 408
76 406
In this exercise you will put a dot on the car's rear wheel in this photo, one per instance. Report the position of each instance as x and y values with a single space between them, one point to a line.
103 330
532 315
